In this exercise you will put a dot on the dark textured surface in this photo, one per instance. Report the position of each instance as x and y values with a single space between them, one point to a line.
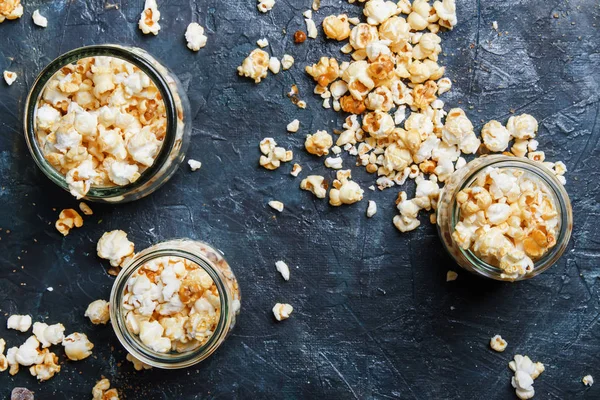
374 317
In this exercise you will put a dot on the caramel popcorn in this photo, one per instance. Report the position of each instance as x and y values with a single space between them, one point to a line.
337 27
10 9
315 184
67 220
100 121
10 77
318 143
148 22
255 66
344 191
451 276
85 209
273 156
102 391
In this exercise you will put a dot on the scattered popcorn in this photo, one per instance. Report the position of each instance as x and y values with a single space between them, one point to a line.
318 143
98 312
498 344
39 19
293 126
371 208
67 220
283 269
10 9
287 61
3 360
255 66
344 190
588 380
282 311
495 136
172 303
27 354
149 18
137 364
451 276
48 334
311 28
85 209
77 346
525 373
115 247
194 165
21 323
262 43
20 393
276 205
10 77
296 169
102 391
265 5
337 27
274 65
333 162
523 126
194 35
315 184
273 156
47 368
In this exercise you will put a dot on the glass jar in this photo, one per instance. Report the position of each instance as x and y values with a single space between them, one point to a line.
211 261
178 118
448 213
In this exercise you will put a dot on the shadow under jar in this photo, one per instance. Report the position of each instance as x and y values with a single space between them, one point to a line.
201 310
449 215
174 139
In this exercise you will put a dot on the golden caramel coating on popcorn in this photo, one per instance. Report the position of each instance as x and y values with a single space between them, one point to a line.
67 220
336 27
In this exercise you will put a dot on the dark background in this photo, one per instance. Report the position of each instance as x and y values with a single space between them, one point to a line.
374 317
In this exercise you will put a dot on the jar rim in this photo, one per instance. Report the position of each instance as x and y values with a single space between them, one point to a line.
132 343
133 55
554 188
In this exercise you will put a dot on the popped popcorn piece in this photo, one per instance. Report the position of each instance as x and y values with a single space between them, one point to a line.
378 11
274 65
255 66
451 276
293 126
48 334
525 373
318 143
262 43
333 162
588 380
67 220
195 37
39 19
10 77
495 136
296 169
282 311
98 312
287 61
283 269
115 247
276 205
498 344
523 126
344 190
102 391
371 208
446 11
265 5
137 364
21 323
337 27
194 165
3 359
10 9
273 156
85 209
148 22
315 184
77 346
27 354
47 368
20 393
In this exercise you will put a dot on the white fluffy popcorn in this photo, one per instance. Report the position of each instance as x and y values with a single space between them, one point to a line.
262 43
77 346
48 334
194 165
377 11
282 311
149 18
10 77
151 334
39 19
525 372
115 247
194 35
495 136
283 269
523 126
371 209
98 312
20 323
274 65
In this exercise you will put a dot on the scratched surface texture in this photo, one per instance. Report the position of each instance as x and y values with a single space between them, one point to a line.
374 317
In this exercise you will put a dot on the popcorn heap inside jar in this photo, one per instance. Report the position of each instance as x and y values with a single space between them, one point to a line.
508 218
100 121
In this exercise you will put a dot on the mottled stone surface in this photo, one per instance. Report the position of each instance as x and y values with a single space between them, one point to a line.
374 317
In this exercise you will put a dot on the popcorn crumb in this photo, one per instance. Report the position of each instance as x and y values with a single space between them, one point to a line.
98 312
293 126
495 25
10 77
194 165
296 169
262 43
194 35
10 10
68 219
21 323
283 269
274 65
276 205
85 209
137 364
451 276
588 380
39 19
498 344
311 28
50 289
148 22
371 209
282 311
287 61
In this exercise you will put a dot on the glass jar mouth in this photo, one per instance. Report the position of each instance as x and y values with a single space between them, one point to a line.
559 196
134 345
109 50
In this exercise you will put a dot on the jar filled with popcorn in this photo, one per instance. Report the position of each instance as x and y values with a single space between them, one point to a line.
174 304
107 123
506 218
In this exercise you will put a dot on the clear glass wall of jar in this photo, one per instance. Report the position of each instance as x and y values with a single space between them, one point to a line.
448 213
209 259
178 131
